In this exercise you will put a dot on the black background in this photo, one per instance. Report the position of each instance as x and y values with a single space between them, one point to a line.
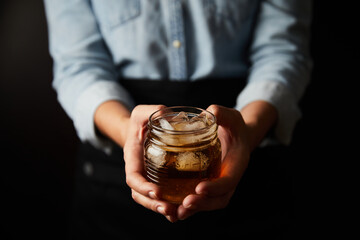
38 142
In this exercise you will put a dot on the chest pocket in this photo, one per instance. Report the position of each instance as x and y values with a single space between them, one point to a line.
113 13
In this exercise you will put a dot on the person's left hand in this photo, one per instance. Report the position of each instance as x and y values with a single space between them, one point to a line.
212 195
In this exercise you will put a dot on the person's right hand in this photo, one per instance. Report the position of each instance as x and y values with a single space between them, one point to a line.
115 121
144 192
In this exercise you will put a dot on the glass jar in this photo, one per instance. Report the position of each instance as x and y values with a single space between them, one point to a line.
181 149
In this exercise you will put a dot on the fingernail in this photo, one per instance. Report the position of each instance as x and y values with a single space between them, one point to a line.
161 210
152 195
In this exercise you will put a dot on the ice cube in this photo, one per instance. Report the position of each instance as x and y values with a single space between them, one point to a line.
165 124
180 121
156 155
180 126
203 118
195 125
181 117
190 125
192 161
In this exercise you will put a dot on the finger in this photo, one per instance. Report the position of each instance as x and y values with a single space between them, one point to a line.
134 152
217 187
134 167
138 183
164 208
133 149
227 182
225 116
139 118
232 127
206 203
189 206
183 213
133 155
195 203
232 169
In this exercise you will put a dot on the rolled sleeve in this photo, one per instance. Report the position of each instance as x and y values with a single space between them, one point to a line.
281 98
90 99
84 72
280 61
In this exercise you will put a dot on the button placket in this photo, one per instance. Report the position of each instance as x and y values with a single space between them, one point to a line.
178 70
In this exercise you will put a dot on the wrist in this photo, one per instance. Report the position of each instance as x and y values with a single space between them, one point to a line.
112 119
259 117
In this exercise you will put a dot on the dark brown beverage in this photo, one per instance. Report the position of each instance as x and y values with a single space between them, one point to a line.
181 152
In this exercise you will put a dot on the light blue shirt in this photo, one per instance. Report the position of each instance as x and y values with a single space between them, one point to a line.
94 43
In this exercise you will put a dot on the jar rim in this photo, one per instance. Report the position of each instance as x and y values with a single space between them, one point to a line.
171 110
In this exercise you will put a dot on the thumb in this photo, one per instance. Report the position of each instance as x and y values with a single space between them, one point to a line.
218 187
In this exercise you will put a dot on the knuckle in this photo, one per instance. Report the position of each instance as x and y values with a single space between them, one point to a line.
214 107
159 107
154 206
136 111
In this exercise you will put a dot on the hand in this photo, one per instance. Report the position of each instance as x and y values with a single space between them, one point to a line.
233 135
143 192
114 120
237 137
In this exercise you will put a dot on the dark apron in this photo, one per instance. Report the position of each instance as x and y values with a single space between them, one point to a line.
103 207
200 93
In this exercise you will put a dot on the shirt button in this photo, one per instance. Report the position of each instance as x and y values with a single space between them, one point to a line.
176 44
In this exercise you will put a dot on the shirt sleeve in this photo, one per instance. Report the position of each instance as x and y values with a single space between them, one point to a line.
280 62
84 73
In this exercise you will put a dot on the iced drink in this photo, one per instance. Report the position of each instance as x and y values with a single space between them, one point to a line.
181 150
